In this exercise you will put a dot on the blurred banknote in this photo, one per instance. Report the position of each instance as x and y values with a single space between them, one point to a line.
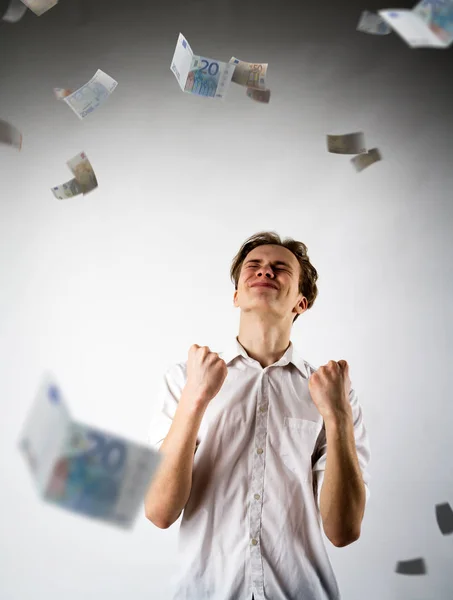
91 95
84 178
67 190
362 161
428 25
416 566
61 93
259 95
373 23
199 75
444 516
250 75
82 468
15 11
39 7
83 172
10 135
349 143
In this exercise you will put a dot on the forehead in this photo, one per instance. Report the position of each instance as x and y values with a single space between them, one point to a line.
272 253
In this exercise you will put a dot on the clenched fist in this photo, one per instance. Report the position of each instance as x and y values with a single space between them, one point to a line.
206 372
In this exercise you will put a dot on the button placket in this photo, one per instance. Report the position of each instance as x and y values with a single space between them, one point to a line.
258 483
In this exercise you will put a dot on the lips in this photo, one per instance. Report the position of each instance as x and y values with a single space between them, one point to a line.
264 285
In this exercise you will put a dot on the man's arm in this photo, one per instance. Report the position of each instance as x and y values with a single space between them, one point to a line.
171 485
342 500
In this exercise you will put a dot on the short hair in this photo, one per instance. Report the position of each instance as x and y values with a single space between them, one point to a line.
308 274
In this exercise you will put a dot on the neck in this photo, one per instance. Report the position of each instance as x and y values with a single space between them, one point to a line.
265 342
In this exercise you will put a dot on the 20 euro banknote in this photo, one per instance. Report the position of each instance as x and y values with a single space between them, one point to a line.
200 75
82 468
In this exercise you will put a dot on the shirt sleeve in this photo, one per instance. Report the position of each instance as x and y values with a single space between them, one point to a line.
168 397
362 447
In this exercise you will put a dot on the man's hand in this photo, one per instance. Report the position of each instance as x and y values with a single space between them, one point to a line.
329 388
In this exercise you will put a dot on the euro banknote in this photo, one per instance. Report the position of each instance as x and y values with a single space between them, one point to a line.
61 93
84 180
81 468
200 75
438 15
348 143
83 172
428 25
39 7
10 135
372 23
362 161
91 95
250 75
14 12
99 475
67 190
262 96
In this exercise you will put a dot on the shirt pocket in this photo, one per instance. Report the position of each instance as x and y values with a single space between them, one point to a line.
297 444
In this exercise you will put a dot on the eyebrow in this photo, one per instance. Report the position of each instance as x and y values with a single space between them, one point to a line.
276 262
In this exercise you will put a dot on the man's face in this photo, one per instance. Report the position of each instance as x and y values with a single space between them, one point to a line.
280 270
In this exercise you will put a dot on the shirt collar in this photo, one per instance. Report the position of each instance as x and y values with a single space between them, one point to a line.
235 349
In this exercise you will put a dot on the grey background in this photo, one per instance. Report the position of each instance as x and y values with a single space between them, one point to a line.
109 289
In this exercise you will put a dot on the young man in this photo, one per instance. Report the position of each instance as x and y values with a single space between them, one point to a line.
260 449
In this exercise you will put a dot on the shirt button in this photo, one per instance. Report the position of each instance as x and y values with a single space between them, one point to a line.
262 408
254 542
260 451
256 496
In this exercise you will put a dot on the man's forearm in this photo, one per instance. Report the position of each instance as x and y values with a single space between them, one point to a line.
170 488
342 500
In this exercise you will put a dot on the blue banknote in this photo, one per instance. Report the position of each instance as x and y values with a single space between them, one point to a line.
81 468
199 75
91 95
88 475
439 17
203 77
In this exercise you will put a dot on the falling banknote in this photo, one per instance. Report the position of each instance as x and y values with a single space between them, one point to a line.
61 93
444 516
250 75
82 468
372 23
91 95
199 75
67 190
262 96
428 25
84 178
83 172
10 135
349 143
416 566
39 7
362 161
15 11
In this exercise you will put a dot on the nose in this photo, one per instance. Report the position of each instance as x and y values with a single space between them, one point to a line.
266 271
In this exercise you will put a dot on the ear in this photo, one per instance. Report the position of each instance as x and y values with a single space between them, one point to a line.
235 298
303 303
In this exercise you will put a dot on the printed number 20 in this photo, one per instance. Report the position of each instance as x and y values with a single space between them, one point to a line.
112 453
213 64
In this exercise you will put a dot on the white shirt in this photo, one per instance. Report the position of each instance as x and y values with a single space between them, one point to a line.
252 522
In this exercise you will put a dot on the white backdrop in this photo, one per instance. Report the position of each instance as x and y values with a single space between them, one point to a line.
110 289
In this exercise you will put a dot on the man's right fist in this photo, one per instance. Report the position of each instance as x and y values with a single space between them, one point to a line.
206 372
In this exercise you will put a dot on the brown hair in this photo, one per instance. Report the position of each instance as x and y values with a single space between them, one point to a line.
308 273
